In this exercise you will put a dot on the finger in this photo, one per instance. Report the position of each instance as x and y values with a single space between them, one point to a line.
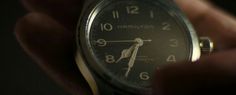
65 11
211 21
213 74
51 46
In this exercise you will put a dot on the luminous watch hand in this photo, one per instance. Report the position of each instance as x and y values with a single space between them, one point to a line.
133 57
126 53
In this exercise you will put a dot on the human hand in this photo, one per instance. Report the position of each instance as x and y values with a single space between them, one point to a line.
46 34
212 74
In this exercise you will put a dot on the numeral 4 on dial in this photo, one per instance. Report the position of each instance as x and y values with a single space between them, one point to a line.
171 59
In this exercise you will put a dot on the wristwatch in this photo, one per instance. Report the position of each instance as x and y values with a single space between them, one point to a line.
121 43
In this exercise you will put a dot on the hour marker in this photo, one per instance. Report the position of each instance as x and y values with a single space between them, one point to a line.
171 58
144 76
166 26
106 27
132 9
110 59
115 14
101 42
151 14
174 43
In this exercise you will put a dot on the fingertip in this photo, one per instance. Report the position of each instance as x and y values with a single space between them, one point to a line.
211 74
29 23
175 79
194 9
210 21
66 12
51 46
40 35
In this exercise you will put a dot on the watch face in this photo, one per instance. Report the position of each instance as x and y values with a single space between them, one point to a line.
126 41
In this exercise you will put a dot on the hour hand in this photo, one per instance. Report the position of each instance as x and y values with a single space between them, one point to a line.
126 53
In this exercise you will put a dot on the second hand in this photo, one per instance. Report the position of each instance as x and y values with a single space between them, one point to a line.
123 41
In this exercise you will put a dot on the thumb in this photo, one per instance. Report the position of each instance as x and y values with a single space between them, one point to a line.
212 74
51 46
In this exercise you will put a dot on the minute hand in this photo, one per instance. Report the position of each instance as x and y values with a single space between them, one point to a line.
132 59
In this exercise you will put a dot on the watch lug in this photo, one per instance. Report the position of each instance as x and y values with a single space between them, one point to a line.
86 73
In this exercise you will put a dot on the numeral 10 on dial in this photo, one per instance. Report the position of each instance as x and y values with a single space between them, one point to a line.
107 27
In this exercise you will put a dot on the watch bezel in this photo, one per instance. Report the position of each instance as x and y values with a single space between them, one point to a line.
83 44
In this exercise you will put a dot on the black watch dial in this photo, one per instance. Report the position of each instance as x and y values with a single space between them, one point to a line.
128 40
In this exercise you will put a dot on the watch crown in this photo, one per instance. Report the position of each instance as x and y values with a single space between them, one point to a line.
206 45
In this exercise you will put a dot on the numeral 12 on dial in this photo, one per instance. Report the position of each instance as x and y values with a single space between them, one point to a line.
132 9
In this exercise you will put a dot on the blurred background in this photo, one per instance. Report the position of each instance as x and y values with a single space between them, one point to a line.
19 74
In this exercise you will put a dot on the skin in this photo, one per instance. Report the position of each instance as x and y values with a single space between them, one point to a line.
46 35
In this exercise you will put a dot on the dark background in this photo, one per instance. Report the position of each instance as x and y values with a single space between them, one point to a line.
18 73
